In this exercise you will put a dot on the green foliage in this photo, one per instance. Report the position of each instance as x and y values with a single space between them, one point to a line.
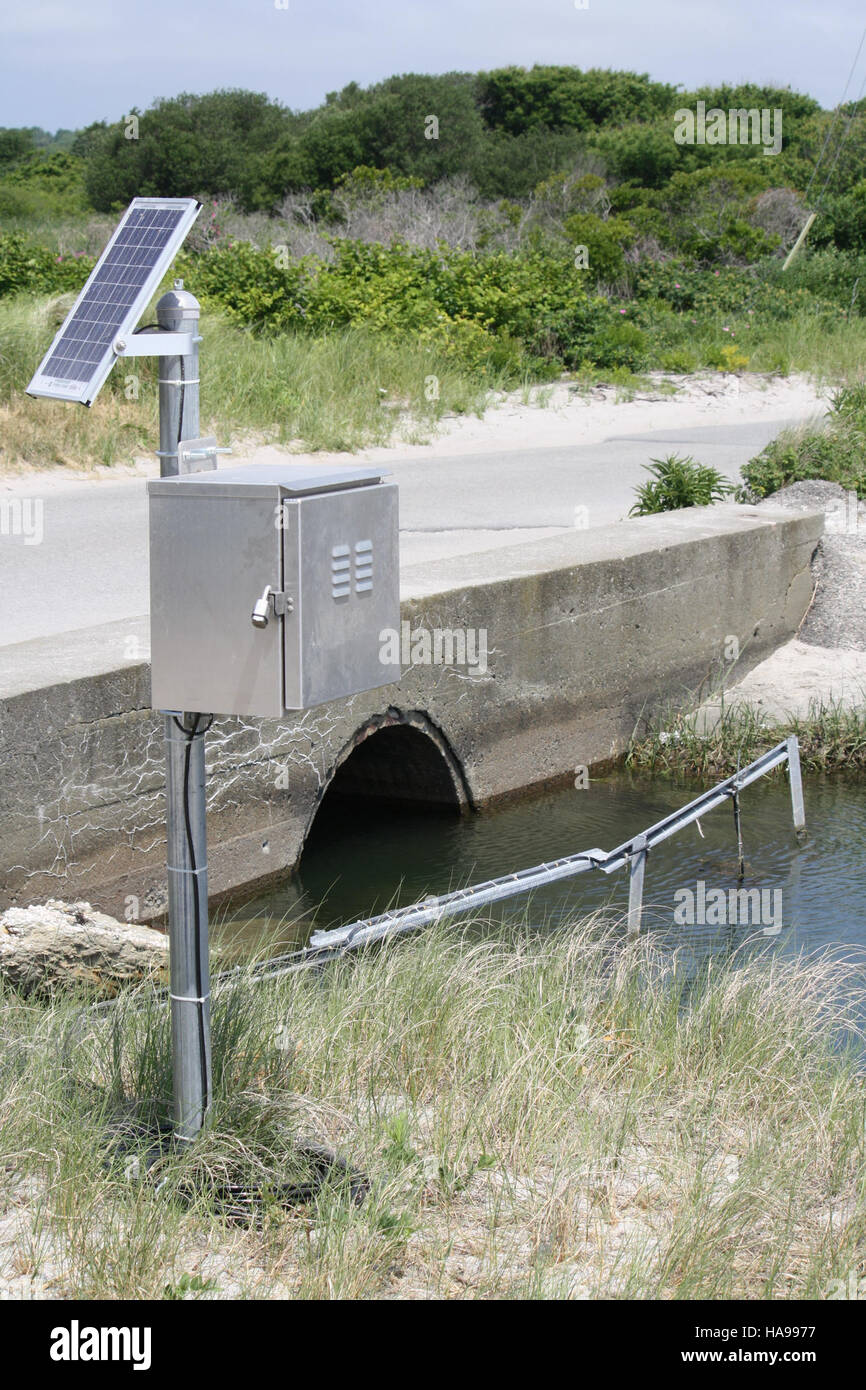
189 1285
516 99
364 182
526 166
420 126
845 219
510 166
835 453
797 106
679 482
493 309
250 284
184 146
398 1151
619 344
829 275
728 358
24 266
605 240
709 211
363 185
14 145
42 186
646 154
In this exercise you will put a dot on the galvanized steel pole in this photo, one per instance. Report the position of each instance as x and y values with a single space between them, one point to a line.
186 829
177 312
796 779
637 869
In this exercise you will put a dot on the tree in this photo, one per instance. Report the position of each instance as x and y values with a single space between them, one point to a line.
517 100
14 145
183 146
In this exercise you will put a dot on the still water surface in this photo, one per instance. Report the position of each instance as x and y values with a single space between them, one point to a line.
360 861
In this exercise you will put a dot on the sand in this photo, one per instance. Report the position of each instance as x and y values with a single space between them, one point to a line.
553 416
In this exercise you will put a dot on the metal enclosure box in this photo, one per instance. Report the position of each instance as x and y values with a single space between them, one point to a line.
324 542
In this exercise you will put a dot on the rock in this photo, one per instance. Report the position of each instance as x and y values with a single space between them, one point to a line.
58 945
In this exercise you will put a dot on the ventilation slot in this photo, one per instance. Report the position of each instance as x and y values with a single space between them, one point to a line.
363 566
341 578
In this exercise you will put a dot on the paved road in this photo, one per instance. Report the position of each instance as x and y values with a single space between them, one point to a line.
91 565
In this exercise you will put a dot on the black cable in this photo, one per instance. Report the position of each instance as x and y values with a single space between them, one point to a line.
180 412
741 864
190 735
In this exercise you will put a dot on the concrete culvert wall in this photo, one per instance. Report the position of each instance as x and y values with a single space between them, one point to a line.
585 634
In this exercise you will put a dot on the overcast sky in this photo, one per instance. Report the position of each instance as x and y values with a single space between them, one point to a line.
64 63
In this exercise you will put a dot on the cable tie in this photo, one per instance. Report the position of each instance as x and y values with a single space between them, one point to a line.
172 870
190 998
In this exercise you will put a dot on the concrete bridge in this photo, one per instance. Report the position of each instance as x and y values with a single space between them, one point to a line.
587 634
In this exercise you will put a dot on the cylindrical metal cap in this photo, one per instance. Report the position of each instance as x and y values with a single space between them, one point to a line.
177 304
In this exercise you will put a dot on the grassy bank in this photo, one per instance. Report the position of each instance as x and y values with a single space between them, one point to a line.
681 743
557 1116
345 390
349 388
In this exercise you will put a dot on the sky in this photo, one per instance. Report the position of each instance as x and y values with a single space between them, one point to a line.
63 65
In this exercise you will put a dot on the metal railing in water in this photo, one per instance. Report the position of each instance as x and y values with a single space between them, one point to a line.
631 854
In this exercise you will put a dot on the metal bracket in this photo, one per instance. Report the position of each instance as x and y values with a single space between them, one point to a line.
154 344
197 455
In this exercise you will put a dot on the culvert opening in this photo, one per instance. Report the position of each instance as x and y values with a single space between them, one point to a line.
393 789
397 768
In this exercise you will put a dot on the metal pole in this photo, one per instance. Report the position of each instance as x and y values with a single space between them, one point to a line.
796 780
186 829
637 866
177 312
800 239
186 856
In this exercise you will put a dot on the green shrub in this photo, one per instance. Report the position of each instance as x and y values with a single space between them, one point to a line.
679 482
493 307
620 344
26 266
605 241
836 452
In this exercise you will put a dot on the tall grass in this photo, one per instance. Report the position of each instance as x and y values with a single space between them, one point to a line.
696 743
830 354
553 1115
345 390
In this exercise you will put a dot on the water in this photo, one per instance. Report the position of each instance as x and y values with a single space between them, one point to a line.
355 866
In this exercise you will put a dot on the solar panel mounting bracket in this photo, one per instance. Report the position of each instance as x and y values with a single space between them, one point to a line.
154 345
195 451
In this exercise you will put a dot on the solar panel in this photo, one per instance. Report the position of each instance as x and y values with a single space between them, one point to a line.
116 294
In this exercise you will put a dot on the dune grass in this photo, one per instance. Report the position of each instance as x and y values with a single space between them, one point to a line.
345 390
831 354
552 1115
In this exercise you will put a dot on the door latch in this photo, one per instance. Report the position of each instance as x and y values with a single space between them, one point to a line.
282 603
